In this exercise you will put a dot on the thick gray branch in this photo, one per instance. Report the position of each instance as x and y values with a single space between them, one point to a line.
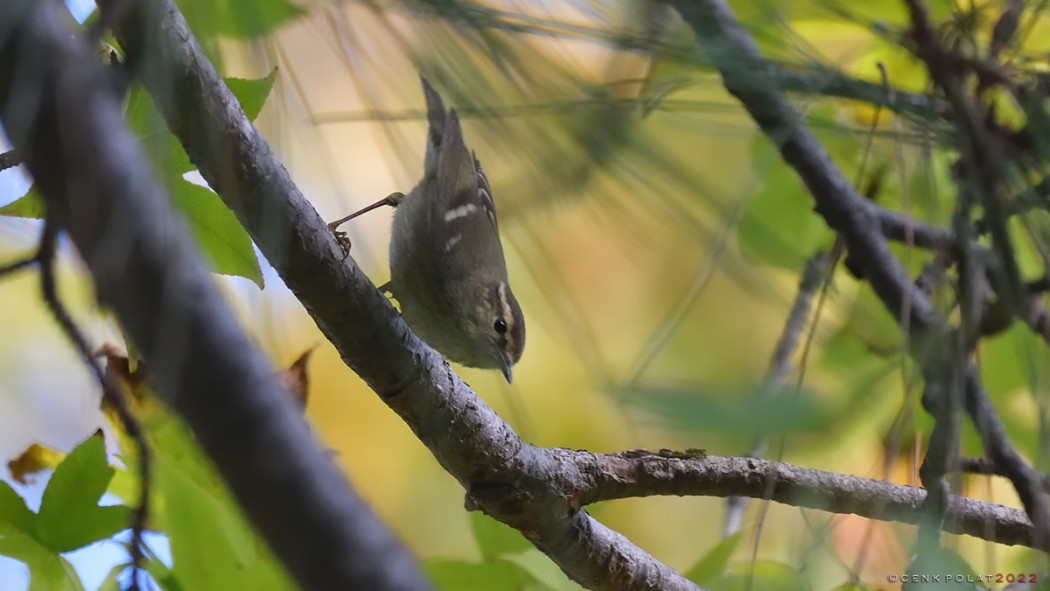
505 476
65 120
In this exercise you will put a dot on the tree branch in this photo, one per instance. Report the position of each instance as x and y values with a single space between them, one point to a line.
816 273
501 473
517 483
896 226
986 467
832 83
590 478
64 118
9 159
113 394
736 56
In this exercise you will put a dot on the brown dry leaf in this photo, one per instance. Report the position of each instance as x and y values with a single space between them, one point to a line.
295 378
118 365
35 458
130 376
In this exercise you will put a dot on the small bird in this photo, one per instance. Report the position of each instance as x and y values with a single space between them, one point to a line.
447 266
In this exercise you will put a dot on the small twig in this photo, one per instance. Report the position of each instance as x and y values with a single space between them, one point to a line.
986 467
909 228
1039 286
939 400
818 274
1038 319
1031 197
899 227
18 265
907 376
9 159
947 366
1005 28
780 365
1027 482
107 21
983 169
46 258
943 368
982 157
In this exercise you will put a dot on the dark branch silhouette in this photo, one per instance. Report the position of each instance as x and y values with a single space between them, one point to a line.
112 392
64 118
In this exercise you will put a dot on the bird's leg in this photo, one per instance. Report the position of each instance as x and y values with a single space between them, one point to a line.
393 200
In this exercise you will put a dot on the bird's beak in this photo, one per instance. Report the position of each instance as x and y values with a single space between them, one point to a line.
506 368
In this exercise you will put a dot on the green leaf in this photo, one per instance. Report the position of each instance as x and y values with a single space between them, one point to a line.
843 351
165 150
494 538
459 575
212 545
932 189
242 19
158 571
221 237
13 510
761 576
98 524
29 205
937 561
767 12
1032 241
70 517
19 540
543 569
714 563
254 18
112 582
252 94
851 586
1010 361
51 572
778 226
205 545
169 159
218 234
47 570
162 575
872 324
760 412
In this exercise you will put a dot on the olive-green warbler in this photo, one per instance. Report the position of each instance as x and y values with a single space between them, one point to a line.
446 261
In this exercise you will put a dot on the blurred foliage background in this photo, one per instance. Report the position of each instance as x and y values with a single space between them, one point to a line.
654 239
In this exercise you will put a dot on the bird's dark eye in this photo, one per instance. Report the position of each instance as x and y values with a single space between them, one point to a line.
500 325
